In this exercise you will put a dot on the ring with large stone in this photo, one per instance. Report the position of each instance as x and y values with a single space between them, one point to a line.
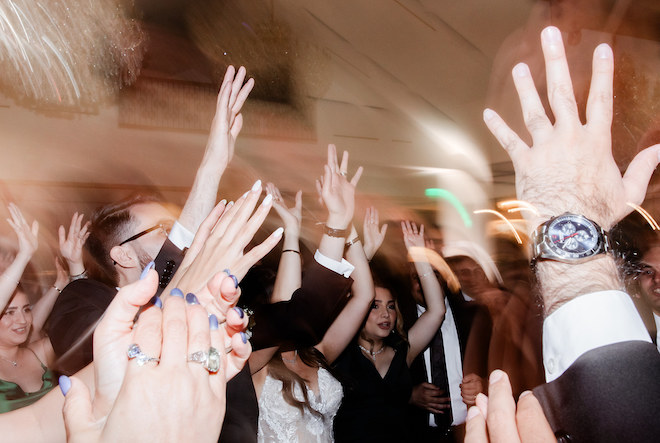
134 352
209 360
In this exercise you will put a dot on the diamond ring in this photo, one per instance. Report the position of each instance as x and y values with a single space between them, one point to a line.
134 352
210 360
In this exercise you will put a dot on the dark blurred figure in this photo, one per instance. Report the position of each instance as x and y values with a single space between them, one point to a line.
516 344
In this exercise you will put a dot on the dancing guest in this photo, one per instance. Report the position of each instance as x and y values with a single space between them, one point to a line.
25 357
375 366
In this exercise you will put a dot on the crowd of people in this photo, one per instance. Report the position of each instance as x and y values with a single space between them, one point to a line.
188 328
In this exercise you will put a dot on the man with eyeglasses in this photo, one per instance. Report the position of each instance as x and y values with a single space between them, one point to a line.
125 236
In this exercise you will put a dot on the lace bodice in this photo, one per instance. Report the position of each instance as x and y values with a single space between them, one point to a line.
281 422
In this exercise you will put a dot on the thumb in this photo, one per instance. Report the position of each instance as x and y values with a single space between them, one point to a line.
77 410
637 176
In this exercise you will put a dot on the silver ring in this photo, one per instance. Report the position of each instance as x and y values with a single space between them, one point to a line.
343 173
134 351
210 360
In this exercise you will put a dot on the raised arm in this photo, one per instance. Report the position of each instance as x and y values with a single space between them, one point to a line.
289 272
27 245
346 325
71 245
225 128
421 333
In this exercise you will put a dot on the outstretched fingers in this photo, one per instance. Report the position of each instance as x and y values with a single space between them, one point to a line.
534 114
508 139
560 87
601 91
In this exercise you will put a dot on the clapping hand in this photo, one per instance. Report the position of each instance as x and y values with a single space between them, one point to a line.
28 240
71 243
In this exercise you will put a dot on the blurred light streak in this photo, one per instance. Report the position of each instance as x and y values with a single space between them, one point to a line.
453 200
520 204
649 219
513 229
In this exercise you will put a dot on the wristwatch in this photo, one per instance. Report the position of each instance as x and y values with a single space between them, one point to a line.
569 238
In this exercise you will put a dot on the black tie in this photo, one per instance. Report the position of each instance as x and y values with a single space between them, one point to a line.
439 377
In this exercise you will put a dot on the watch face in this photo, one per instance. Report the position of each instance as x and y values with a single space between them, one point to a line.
572 237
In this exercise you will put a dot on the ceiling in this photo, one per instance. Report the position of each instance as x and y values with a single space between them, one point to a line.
400 84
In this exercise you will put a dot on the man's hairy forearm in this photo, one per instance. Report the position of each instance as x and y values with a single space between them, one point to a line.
561 282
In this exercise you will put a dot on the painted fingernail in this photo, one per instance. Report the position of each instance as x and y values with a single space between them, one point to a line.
524 394
230 204
256 186
191 299
244 195
473 412
488 114
278 232
176 292
158 303
267 200
213 322
223 201
552 34
65 384
604 51
243 337
521 70
239 311
495 376
146 269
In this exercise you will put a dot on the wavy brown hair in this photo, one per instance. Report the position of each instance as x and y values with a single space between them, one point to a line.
279 371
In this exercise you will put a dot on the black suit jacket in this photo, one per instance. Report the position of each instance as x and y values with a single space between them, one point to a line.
609 394
81 304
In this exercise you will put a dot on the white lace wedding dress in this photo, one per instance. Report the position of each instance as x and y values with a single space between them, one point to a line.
281 422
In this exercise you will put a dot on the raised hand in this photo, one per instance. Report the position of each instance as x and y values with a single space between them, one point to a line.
71 243
413 237
28 240
219 245
228 119
337 191
291 217
373 236
569 167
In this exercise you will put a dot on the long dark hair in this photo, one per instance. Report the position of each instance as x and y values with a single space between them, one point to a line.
311 357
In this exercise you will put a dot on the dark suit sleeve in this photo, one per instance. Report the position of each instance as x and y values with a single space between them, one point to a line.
611 393
303 320
77 309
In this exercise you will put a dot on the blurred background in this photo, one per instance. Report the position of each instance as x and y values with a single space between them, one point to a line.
99 98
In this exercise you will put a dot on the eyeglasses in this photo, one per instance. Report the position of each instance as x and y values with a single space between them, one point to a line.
166 229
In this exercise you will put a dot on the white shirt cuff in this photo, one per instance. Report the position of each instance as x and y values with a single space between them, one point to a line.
343 267
180 236
588 322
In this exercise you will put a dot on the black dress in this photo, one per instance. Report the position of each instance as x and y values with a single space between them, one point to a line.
374 408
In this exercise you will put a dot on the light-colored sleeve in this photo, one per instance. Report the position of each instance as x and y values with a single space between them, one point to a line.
180 236
585 323
343 267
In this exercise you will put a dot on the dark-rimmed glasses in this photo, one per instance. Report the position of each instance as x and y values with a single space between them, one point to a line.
164 227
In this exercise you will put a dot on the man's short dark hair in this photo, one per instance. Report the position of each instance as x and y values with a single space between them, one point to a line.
110 224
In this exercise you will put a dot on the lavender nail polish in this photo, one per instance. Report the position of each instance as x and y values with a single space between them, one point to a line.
239 311
158 303
146 269
176 292
213 322
65 384
191 299
244 337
